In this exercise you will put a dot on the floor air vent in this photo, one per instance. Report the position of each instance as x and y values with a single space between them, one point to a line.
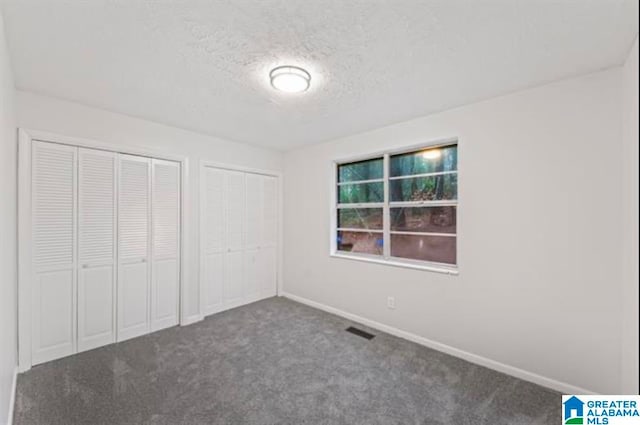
360 332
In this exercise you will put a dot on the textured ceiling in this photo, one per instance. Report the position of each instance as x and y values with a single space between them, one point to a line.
203 64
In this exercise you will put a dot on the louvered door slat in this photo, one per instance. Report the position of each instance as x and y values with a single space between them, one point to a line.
96 206
134 208
53 204
166 208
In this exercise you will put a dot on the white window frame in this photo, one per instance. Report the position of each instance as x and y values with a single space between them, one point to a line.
386 206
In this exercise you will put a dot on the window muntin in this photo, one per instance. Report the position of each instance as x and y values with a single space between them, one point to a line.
401 207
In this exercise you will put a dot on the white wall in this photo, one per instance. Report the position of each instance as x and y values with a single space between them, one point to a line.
539 234
630 220
8 246
71 119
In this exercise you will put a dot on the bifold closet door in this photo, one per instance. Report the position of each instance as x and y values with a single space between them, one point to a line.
269 238
234 273
213 220
54 255
96 248
165 215
261 237
239 219
253 237
134 208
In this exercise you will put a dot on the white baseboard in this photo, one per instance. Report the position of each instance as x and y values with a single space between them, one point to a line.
12 398
191 320
561 387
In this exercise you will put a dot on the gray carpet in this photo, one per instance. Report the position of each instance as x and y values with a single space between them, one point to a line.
274 362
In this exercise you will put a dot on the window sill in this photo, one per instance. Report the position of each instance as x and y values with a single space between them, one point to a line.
407 265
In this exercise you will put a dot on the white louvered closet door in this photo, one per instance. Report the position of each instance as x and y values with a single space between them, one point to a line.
213 220
165 216
133 246
234 275
269 237
96 248
54 253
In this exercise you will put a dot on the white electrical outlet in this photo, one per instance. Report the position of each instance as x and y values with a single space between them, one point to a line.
391 302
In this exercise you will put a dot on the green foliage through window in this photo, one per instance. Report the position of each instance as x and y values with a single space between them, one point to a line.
361 193
425 161
432 188
360 218
363 170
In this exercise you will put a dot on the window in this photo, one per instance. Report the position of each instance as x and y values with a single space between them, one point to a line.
360 207
399 208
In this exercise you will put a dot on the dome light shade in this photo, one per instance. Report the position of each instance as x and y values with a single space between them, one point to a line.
290 79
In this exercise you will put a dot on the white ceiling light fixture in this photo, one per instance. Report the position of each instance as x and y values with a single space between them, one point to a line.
290 79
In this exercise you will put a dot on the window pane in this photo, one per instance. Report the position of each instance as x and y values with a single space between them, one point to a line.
425 161
361 193
432 188
362 242
439 249
360 218
363 170
424 219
